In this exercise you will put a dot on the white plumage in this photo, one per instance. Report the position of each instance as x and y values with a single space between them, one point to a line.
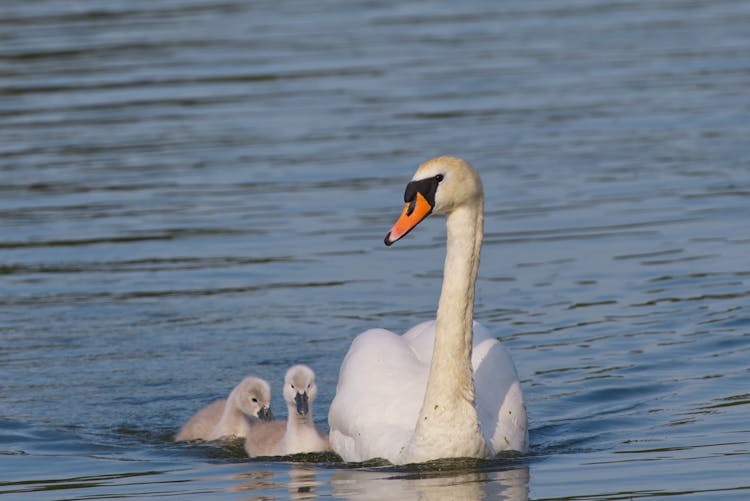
384 380
446 388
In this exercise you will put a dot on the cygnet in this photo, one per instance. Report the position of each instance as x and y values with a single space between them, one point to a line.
298 434
248 404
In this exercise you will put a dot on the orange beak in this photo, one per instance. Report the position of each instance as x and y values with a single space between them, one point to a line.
414 212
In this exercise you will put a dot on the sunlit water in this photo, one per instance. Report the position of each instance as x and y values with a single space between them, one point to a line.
194 191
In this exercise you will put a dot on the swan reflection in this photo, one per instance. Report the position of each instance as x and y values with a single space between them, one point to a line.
440 481
510 485
299 482
255 480
302 482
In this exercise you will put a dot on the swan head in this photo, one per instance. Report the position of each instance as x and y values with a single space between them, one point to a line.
253 397
440 186
300 388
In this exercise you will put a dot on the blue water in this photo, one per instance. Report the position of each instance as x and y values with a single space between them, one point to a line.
193 191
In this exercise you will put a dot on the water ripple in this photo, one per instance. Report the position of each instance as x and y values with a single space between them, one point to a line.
196 190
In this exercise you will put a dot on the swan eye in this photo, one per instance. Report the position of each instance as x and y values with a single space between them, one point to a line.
439 177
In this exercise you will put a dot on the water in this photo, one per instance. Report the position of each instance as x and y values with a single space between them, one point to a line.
193 191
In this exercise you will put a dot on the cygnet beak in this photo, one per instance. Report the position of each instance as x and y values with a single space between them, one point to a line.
265 414
302 406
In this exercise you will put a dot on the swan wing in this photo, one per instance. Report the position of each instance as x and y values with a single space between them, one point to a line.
498 397
381 386
497 392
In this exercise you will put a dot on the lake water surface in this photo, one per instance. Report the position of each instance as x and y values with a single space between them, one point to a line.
192 191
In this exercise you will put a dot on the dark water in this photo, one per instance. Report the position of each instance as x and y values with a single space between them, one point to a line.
192 191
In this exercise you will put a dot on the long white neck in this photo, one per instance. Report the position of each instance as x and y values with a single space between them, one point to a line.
448 425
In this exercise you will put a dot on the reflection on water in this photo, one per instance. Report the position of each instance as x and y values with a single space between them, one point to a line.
257 480
505 484
302 482
443 481
299 480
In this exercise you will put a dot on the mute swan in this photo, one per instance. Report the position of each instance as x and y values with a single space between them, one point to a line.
443 389
298 433
249 401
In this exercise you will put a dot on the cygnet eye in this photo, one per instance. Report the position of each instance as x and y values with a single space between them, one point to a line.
292 385
255 400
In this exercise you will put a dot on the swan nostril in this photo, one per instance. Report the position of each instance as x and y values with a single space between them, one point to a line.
412 204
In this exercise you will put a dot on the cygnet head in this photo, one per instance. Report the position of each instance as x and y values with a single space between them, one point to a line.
253 397
300 389
440 185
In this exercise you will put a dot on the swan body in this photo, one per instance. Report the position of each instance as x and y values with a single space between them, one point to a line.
446 388
233 416
298 434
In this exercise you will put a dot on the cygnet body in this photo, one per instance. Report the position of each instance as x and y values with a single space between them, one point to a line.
248 403
298 434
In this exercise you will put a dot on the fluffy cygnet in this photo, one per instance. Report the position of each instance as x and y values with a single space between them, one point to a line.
299 433
248 403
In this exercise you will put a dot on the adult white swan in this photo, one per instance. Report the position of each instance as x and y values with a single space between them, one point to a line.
446 388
